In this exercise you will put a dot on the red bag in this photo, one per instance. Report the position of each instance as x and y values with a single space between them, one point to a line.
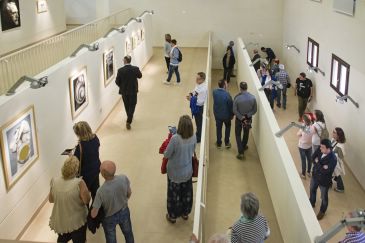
164 165
195 164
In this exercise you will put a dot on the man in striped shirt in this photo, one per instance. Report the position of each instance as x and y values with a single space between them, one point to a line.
355 235
251 227
283 77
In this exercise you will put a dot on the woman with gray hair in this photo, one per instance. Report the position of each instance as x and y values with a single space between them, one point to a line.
251 226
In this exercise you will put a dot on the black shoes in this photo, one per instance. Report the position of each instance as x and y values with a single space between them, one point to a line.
128 126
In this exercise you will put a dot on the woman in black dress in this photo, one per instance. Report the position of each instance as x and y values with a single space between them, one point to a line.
87 151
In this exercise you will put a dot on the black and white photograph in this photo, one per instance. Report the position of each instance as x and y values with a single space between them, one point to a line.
19 146
10 14
134 41
108 66
78 93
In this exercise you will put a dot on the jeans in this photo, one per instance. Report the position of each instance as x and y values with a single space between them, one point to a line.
219 125
278 98
227 72
173 69
306 158
121 218
241 141
302 105
315 148
130 102
339 182
199 123
269 97
313 194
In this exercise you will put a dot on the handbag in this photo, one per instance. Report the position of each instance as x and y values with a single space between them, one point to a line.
195 164
164 165
288 85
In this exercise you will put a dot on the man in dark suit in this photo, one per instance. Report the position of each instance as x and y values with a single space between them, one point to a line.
128 87
255 57
324 163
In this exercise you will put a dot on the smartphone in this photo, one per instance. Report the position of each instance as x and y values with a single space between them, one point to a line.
66 152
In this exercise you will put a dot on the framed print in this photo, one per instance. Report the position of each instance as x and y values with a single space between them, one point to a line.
19 146
42 6
139 39
108 66
78 92
10 14
142 34
128 46
134 41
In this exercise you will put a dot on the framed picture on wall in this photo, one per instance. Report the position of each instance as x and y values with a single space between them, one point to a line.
19 146
142 34
10 14
42 6
128 46
108 66
78 92
134 41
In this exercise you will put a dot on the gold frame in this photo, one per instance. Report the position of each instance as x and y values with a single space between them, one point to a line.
39 11
75 113
106 80
5 161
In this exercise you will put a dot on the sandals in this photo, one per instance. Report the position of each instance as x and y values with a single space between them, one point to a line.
171 220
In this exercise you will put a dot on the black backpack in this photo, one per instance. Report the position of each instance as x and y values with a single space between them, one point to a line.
180 55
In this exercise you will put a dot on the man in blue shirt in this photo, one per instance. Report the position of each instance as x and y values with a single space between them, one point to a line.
223 112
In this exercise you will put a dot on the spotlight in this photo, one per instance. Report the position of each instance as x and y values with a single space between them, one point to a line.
343 99
121 30
267 84
311 69
292 46
93 47
34 83
263 60
280 133
139 19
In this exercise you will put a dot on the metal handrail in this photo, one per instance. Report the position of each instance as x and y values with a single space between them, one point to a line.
40 56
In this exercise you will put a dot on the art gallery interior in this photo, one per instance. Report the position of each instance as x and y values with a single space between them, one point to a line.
58 63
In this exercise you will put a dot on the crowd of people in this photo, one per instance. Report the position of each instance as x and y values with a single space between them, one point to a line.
79 200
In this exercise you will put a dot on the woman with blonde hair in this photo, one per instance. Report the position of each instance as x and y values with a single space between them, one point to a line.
87 151
70 197
179 152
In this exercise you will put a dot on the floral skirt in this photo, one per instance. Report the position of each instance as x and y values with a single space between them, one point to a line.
179 198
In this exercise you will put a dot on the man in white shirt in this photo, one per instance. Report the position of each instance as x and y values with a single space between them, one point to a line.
200 91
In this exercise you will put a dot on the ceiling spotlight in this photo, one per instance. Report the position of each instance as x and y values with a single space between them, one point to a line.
121 30
93 47
311 69
292 46
343 99
34 83
263 60
280 133
139 19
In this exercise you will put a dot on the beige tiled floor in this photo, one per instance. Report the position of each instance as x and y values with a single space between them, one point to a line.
229 178
136 152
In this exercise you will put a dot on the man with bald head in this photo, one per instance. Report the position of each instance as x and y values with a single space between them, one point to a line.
113 196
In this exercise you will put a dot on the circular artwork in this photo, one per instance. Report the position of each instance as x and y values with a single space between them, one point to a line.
80 91
23 153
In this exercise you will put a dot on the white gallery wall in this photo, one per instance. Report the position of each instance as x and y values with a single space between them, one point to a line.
54 121
34 26
85 11
190 21
343 36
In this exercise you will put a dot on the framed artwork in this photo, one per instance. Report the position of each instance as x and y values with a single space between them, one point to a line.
19 146
78 92
128 46
42 6
134 41
139 40
10 14
108 66
142 34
